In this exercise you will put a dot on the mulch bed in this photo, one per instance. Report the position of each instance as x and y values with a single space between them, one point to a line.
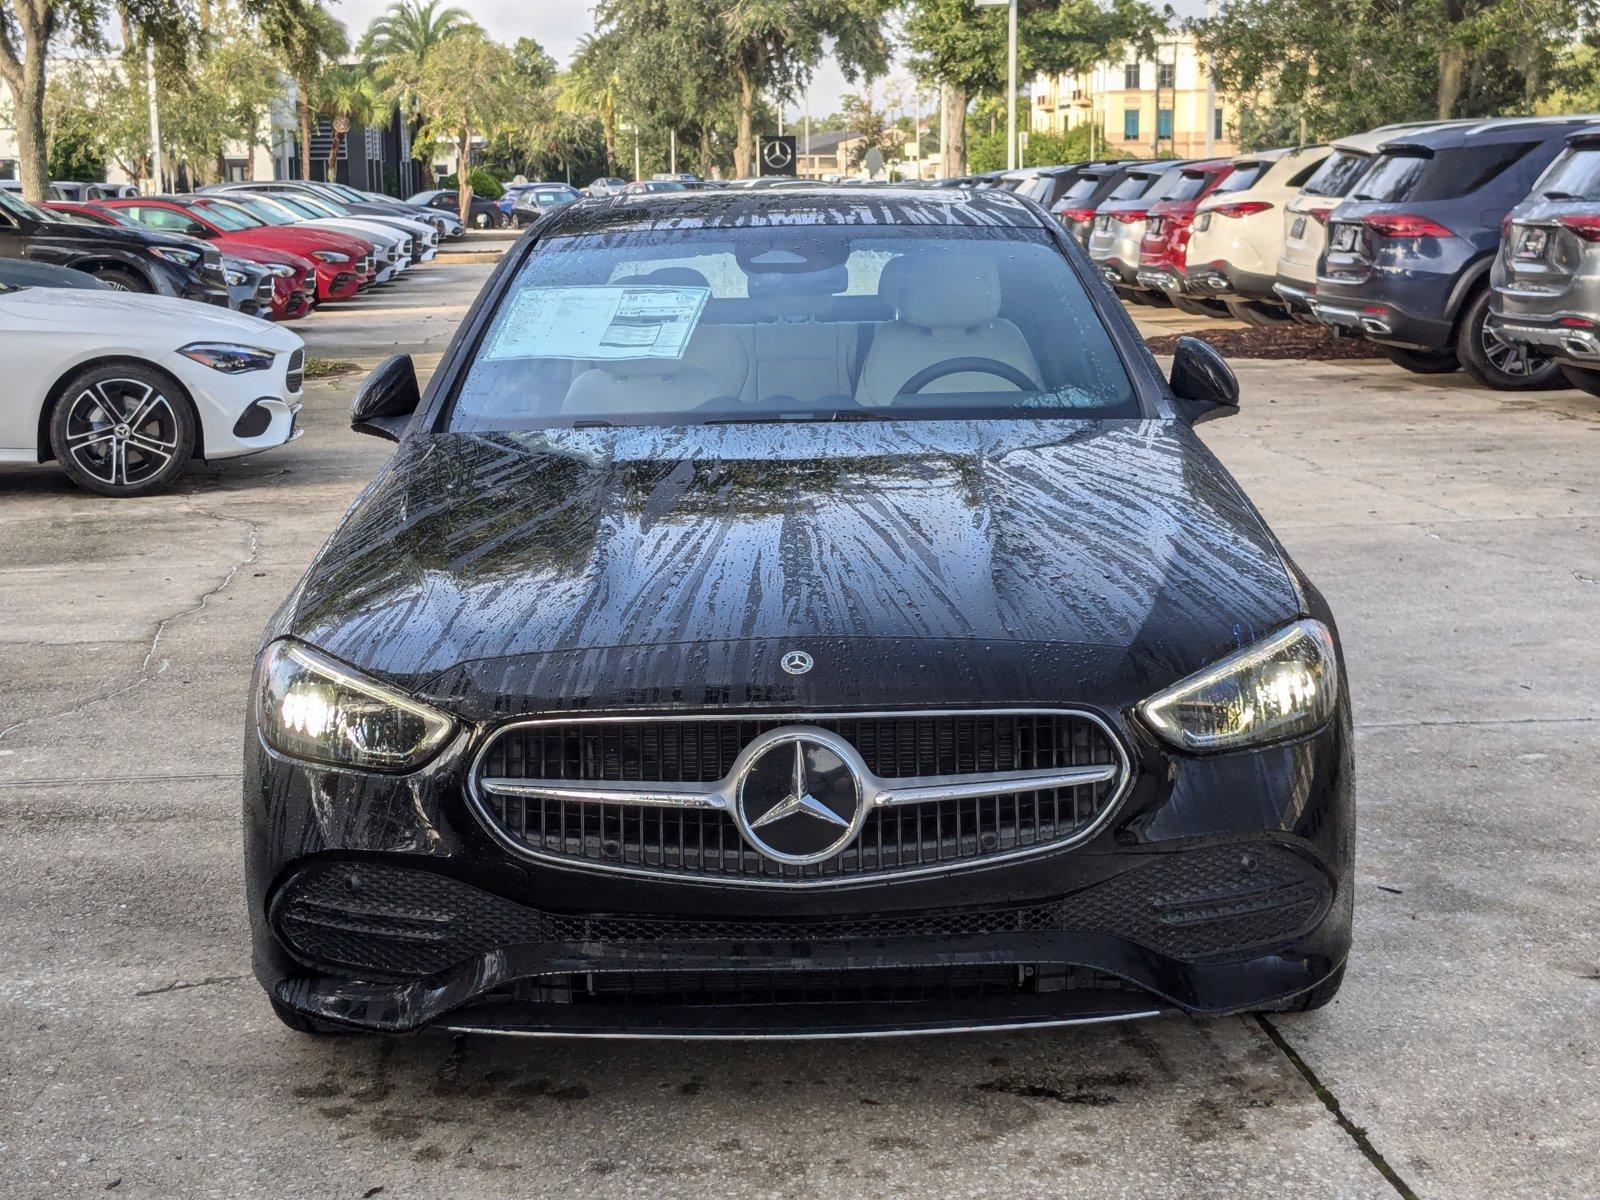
1280 341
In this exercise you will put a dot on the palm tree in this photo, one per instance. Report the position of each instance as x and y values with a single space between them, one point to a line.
592 86
346 96
397 44
309 40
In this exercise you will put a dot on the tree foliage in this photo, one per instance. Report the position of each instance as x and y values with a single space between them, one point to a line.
466 90
1343 65
963 47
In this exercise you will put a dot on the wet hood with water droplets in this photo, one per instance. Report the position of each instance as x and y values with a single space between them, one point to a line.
509 547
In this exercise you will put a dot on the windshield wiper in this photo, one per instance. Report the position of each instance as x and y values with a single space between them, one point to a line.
1560 196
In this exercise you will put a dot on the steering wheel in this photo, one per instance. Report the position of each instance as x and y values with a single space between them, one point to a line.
964 366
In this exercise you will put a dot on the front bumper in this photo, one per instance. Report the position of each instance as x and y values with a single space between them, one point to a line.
1219 884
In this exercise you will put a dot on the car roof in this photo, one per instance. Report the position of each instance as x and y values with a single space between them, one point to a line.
1504 129
804 205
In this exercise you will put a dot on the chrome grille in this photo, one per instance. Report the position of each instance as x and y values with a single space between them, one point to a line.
644 825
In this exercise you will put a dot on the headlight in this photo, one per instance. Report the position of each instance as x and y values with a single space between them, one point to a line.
234 278
1279 688
281 270
228 358
330 256
312 707
173 254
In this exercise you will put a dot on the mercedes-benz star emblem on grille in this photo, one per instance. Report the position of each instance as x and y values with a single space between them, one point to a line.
797 662
799 799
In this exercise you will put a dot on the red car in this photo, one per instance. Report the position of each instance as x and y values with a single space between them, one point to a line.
1164 249
344 264
294 279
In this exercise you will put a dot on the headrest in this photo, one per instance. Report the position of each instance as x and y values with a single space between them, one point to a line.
949 292
664 277
641 368
720 351
892 279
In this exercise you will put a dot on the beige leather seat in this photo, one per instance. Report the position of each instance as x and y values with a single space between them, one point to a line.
635 386
947 307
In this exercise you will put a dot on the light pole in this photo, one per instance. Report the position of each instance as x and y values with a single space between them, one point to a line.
1211 86
1011 77
155 116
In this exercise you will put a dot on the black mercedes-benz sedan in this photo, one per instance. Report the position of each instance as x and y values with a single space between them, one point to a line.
797 613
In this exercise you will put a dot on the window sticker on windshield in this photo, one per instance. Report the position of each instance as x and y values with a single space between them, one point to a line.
599 322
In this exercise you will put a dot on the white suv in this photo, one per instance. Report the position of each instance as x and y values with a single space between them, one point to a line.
1238 231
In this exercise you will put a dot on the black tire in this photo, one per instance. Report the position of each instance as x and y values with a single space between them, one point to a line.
1422 362
122 279
122 430
1198 308
301 1023
1498 364
1312 998
1582 378
1256 314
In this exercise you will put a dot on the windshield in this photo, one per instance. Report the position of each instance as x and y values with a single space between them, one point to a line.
227 216
264 211
792 324
1136 184
1242 177
18 207
1573 176
1337 174
317 206
343 192
1416 176
1186 185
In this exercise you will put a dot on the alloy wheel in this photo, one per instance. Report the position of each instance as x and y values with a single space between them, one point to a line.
1511 360
121 431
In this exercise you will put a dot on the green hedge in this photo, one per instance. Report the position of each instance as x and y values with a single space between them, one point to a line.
483 184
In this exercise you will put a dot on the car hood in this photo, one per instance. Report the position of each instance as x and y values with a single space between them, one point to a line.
118 235
1125 535
117 316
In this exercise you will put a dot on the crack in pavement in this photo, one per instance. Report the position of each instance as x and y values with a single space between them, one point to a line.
1355 1132
179 985
145 674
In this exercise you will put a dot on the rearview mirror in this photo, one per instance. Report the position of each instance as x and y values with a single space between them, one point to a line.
1202 382
386 399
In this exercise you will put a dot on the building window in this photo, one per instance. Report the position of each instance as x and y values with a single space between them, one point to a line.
1216 124
1166 75
1130 76
1130 124
1164 123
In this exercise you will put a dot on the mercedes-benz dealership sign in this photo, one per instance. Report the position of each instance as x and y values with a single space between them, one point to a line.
777 156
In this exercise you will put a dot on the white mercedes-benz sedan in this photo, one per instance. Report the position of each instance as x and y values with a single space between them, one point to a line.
123 390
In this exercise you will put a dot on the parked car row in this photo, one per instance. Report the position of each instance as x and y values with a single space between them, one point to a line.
124 362
1471 243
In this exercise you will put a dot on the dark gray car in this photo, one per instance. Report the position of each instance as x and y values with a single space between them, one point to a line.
1547 274
1409 251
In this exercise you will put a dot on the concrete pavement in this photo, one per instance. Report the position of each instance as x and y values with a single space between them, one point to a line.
1454 532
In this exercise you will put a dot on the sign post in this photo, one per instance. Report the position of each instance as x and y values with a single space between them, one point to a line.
776 156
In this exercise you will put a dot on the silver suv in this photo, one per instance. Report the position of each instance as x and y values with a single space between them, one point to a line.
1547 275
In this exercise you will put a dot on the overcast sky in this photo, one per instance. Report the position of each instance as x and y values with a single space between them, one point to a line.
558 24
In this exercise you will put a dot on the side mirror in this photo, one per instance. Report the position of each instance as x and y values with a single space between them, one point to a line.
1203 383
387 399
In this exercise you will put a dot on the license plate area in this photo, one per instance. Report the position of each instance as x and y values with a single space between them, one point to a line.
1156 227
1298 229
1345 238
1203 222
1102 223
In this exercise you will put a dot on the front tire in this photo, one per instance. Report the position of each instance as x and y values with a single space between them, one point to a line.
1499 364
122 430
1256 314
122 280
1422 362
1581 378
